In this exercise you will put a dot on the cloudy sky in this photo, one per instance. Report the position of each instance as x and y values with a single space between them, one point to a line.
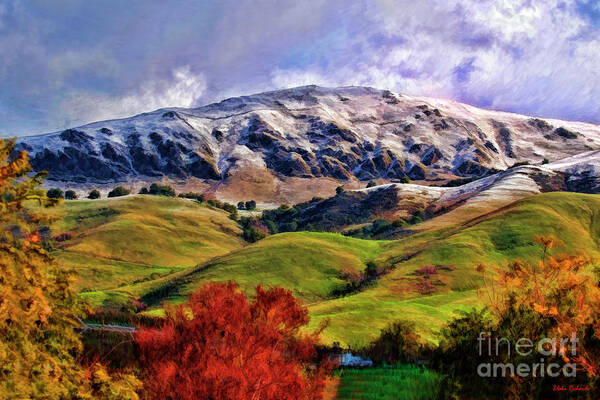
68 62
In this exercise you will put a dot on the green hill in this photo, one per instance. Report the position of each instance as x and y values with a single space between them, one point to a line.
168 234
495 238
118 241
309 263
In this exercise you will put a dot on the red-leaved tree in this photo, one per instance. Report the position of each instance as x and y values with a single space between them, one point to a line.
223 346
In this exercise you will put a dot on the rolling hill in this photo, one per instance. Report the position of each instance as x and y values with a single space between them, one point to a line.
118 241
311 263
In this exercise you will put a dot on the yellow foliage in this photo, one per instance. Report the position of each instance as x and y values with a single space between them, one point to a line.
39 342
558 287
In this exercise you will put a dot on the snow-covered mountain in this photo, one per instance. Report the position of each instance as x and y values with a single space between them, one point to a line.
289 138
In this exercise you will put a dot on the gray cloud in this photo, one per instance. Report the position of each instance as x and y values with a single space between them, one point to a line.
72 62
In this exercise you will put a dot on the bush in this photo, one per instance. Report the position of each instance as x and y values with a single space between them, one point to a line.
94 194
545 161
405 179
250 205
63 237
397 343
252 235
235 348
427 270
192 195
339 189
162 190
371 269
230 208
144 190
55 193
241 205
118 191
398 223
70 195
371 184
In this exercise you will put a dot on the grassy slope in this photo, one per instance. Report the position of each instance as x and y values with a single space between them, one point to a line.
495 238
123 240
309 263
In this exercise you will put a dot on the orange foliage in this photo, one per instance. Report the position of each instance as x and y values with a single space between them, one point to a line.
559 287
222 346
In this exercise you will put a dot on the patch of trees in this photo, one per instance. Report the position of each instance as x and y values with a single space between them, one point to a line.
94 194
248 205
158 190
118 192
230 208
384 228
357 281
193 196
253 229
346 208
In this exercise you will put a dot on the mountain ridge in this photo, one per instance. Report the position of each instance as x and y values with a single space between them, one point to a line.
272 144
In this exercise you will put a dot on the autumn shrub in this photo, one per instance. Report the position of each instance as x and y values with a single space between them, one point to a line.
427 270
424 286
351 276
63 237
221 345
253 229
557 298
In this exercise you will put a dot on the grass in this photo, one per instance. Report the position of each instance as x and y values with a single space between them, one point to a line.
308 263
399 383
163 249
492 239
120 241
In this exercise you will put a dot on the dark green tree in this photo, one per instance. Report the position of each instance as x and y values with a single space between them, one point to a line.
55 193
118 191
70 195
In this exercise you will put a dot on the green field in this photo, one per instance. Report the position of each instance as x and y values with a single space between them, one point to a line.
119 241
161 249
405 382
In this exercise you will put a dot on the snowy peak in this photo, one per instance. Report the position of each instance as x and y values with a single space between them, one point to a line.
309 132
